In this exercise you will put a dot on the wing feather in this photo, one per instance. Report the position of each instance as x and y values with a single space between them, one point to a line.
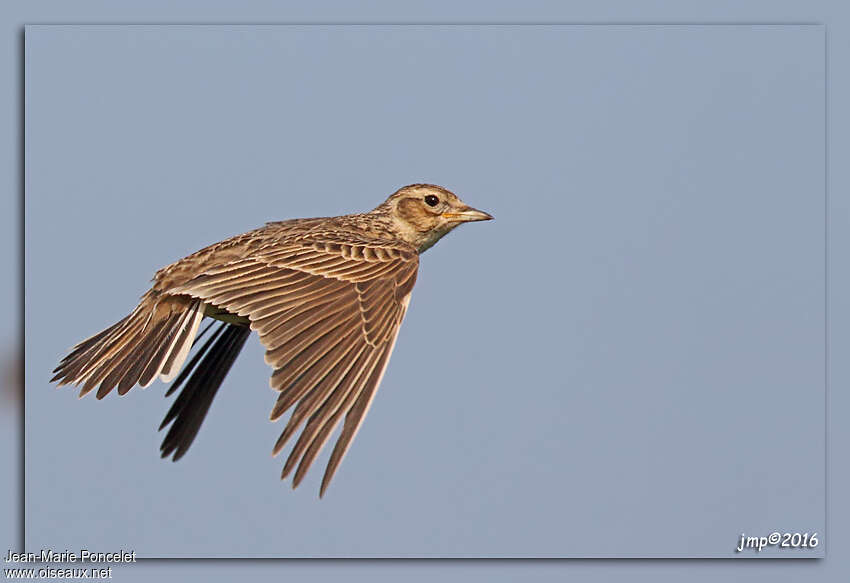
327 311
354 417
327 412
313 370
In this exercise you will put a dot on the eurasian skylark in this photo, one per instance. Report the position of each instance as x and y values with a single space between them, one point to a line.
326 295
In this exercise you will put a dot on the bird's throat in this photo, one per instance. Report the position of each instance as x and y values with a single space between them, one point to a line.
428 239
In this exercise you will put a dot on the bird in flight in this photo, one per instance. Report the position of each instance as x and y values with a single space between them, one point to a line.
326 296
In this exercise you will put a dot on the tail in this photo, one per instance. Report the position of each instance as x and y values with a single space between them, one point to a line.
190 408
155 340
152 341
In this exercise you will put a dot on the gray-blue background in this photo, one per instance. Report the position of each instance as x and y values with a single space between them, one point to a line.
628 362
832 13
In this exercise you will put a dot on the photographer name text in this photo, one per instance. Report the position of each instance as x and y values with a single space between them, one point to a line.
67 556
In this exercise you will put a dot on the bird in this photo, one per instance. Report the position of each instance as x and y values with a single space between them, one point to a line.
325 295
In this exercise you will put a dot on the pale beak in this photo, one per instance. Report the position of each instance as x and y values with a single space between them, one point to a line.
467 214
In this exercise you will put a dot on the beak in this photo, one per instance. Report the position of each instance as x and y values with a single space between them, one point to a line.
467 214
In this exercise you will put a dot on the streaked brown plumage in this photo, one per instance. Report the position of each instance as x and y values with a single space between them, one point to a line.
325 295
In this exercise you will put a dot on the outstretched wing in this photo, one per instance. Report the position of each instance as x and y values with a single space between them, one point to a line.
327 311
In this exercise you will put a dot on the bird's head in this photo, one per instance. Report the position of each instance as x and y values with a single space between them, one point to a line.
423 213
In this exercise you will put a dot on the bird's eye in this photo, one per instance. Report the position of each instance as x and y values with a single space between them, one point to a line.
431 200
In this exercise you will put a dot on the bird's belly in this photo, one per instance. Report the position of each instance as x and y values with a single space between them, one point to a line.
220 313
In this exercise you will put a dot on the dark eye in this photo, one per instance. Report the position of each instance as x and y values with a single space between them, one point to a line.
431 200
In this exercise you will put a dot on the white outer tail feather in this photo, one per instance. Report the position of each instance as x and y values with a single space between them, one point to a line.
194 321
